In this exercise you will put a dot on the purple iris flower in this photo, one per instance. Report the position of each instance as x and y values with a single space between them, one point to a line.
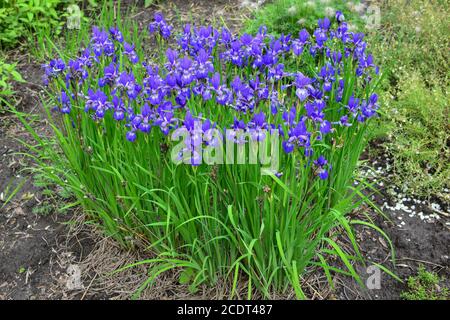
342 32
204 37
204 90
131 136
101 43
343 121
154 90
244 96
339 16
116 35
303 36
64 100
327 74
224 95
125 82
225 36
172 56
353 104
277 72
321 37
236 134
289 116
130 53
209 136
258 127
368 108
298 137
86 58
183 95
323 174
164 118
146 118
235 54
259 88
98 102
119 109
194 139
203 65
321 163
314 110
76 72
336 57
160 25
325 127
340 90
109 75
53 69
324 24
303 85
186 72
185 38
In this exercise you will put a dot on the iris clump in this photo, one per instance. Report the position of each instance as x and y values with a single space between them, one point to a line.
262 223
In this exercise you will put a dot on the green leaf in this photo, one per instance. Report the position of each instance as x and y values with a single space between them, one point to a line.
186 276
17 77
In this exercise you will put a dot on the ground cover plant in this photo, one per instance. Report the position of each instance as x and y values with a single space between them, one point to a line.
291 16
425 286
114 111
415 93
8 73
413 31
409 33
417 138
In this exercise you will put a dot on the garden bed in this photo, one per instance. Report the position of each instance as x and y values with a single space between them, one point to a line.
37 249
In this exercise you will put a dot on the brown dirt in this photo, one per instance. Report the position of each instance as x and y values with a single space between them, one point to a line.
416 241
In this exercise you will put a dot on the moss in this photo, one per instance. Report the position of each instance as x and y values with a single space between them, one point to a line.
425 286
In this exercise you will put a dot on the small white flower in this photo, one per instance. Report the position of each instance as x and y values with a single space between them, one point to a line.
251 4
329 11
359 8
292 10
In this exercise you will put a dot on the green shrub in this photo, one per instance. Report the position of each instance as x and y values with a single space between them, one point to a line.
290 16
412 48
8 73
19 18
414 37
419 131
425 286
